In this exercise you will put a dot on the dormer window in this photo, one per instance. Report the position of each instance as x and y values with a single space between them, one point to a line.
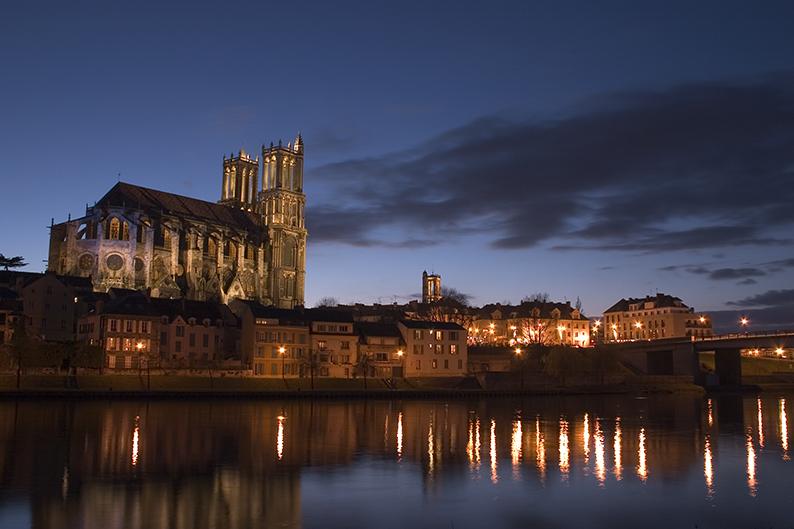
191 321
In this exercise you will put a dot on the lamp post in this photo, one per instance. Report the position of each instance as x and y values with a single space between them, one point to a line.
744 321
615 331
282 351
520 366
401 356
596 325
638 325
139 347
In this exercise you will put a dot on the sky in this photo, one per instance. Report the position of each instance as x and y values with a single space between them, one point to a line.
597 150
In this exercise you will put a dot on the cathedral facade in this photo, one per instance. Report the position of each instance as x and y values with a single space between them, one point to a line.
249 245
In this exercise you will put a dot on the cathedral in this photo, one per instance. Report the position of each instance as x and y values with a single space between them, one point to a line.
251 244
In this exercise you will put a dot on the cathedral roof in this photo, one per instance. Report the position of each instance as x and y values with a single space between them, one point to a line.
153 201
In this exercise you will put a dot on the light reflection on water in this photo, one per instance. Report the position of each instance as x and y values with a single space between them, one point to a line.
244 464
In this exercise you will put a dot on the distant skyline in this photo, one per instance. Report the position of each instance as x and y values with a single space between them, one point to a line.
592 150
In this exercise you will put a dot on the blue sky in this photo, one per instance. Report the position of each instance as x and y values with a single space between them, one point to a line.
489 142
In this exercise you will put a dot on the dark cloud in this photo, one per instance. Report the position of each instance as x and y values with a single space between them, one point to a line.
735 273
770 298
642 172
748 281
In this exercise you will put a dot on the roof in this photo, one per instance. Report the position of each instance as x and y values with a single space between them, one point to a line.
285 316
154 201
13 278
77 282
425 324
378 329
138 304
659 300
331 315
527 310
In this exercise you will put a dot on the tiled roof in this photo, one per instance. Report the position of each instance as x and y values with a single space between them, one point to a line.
527 309
659 300
330 315
378 329
154 201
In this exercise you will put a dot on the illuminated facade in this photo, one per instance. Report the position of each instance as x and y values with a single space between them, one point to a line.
250 245
653 317
531 322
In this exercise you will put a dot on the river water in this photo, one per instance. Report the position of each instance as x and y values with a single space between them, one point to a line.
723 461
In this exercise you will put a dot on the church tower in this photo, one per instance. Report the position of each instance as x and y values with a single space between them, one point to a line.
282 205
431 287
240 181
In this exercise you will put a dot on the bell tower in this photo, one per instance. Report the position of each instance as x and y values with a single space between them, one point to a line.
240 181
282 205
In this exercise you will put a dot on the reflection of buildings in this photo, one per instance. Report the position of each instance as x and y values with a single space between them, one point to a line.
239 464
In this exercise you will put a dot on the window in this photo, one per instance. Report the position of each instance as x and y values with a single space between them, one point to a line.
439 349
439 335
180 331
163 338
321 345
460 364
418 349
435 364
453 349
446 364
130 326
345 345
192 339
453 335
417 334
145 327
178 346
111 344
205 340
260 352
418 364
273 369
114 326
115 229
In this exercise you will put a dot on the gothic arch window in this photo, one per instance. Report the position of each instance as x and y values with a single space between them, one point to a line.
114 230
229 249
212 247
288 252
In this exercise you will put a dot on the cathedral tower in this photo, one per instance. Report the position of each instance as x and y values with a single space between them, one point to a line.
240 181
282 205
431 287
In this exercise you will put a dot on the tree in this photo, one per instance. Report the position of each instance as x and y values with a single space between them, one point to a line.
578 305
456 295
328 301
562 362
538 297
12 262
363 366
312 362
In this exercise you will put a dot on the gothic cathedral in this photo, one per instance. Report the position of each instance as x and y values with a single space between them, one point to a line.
249 245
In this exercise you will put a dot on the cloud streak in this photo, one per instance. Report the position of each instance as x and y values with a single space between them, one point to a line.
698 166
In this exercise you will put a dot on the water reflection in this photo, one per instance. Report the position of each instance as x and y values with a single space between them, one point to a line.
783 428
565 453
261 464
617 449
642 469
752 484
600 467
708 467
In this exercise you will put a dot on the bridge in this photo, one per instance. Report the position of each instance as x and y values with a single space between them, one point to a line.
680 356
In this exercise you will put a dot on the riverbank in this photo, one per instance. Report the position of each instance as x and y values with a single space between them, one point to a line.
125 386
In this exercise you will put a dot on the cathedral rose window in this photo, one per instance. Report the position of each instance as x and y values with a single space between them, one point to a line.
86 261
115 262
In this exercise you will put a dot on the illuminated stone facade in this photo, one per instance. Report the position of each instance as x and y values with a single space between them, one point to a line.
653 317
250 245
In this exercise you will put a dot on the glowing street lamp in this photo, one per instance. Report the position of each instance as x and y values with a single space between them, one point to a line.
779 351
702 319
282 351
615 331
521 371
401 356
744 321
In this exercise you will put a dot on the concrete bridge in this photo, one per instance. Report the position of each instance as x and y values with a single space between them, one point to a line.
680 356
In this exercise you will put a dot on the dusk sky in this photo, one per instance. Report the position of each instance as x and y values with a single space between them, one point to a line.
591 149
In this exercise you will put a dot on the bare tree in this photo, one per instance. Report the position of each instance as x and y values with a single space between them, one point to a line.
327 301
539 297
456 295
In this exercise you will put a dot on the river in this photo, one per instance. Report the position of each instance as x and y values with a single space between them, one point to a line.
585 462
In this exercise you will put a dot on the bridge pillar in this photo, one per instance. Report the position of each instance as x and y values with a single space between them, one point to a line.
660 362
728 365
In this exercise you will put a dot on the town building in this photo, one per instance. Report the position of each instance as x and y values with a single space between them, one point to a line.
10 314
531 322
274 342
434 349
653 317
249 245
136 331
52 304
333 342
383 346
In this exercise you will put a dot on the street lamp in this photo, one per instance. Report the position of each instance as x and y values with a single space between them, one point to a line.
401 355
139 347
615 331
282 350
779 351
520 370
